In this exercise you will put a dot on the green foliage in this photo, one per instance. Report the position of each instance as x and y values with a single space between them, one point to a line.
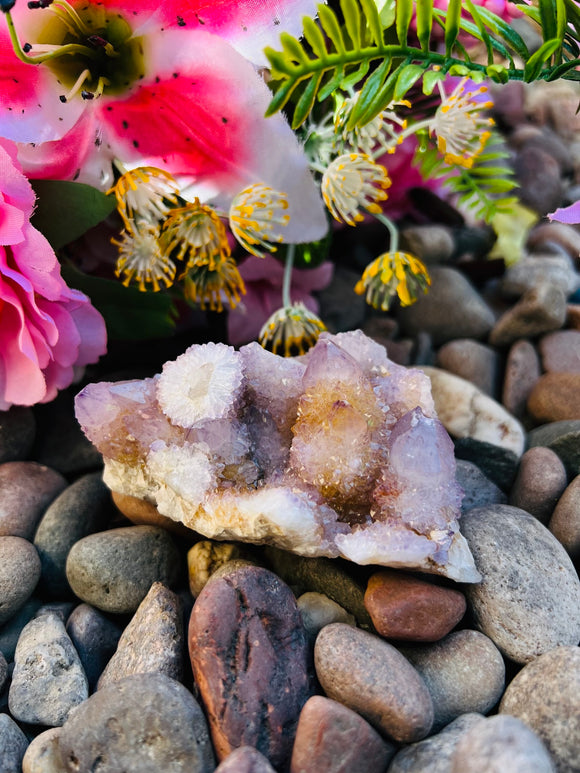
129 315
342 49
66 210
483 189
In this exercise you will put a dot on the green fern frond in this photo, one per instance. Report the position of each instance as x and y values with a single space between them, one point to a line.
483 189
339 54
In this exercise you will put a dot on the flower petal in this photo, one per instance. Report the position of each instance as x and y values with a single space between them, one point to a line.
569 214
248 25
204 116
31 110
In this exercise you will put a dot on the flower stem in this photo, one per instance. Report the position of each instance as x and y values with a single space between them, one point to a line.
392 228
287 282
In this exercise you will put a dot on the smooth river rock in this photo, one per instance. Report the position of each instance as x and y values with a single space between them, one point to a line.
19 574
408 608
249 655
13 745
113 570
565 521
528 601
43 753
26 490
146 722
464 673
332 738
465 411
371 677
555 397
501 743
539 483
545 695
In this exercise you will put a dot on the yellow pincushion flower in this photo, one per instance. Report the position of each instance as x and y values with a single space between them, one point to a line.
353 182
393 274
291 330
460 128
142 258
142 194
198 233
256 215
209 286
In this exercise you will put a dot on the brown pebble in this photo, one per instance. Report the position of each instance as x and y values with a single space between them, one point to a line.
332 738
565 521
538 311
249 657
573 316
473 361
371 677
555 397
560 351
245 759
26 490
540 481
409 609
522 370
143 513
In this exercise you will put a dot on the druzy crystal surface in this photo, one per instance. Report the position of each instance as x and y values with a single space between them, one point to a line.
336 453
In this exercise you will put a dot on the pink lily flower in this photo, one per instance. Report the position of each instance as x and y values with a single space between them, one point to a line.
168 84
48 331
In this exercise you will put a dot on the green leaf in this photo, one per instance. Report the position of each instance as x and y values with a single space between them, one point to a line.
368 92
431 79
304 104
535 62
499 27
315 37
67 210
357 75
352 21
452 21
497 72
408 75
292 48
331 26
373 20
424 13
548 19
387 11
403 20
332 85
129 314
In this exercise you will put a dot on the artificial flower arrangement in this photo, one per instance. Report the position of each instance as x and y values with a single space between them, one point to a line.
163 123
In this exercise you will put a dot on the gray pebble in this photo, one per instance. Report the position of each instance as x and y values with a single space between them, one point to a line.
451 309
48 679
522 370
529 599
95 638
434 754
472 361
3 671
147 723
478 489
10 632
113 570
17 433
498 744
532 270
317 610
564 235
431 243
545 695
565 521
540 481
563 437
43 753
539 310
371 677
464 673
13 744
26 490
19 574
153 642
81 509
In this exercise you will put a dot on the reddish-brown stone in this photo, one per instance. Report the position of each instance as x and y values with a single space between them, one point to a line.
246 759
555 397
409 609
334 739
249 657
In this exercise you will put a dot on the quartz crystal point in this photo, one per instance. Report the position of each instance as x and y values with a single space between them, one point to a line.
336 453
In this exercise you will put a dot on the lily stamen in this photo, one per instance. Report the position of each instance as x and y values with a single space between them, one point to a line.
53 53
83 77
67 14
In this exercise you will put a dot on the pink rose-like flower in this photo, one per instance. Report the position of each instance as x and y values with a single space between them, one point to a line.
47 330
263 278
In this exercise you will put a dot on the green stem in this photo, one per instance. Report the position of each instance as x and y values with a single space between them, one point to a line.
70 48
287 282
393 231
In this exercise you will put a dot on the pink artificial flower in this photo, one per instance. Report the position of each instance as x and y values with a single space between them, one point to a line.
570 215
47 330
168 84
263 278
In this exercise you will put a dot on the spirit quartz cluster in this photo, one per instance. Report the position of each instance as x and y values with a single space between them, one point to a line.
335 453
